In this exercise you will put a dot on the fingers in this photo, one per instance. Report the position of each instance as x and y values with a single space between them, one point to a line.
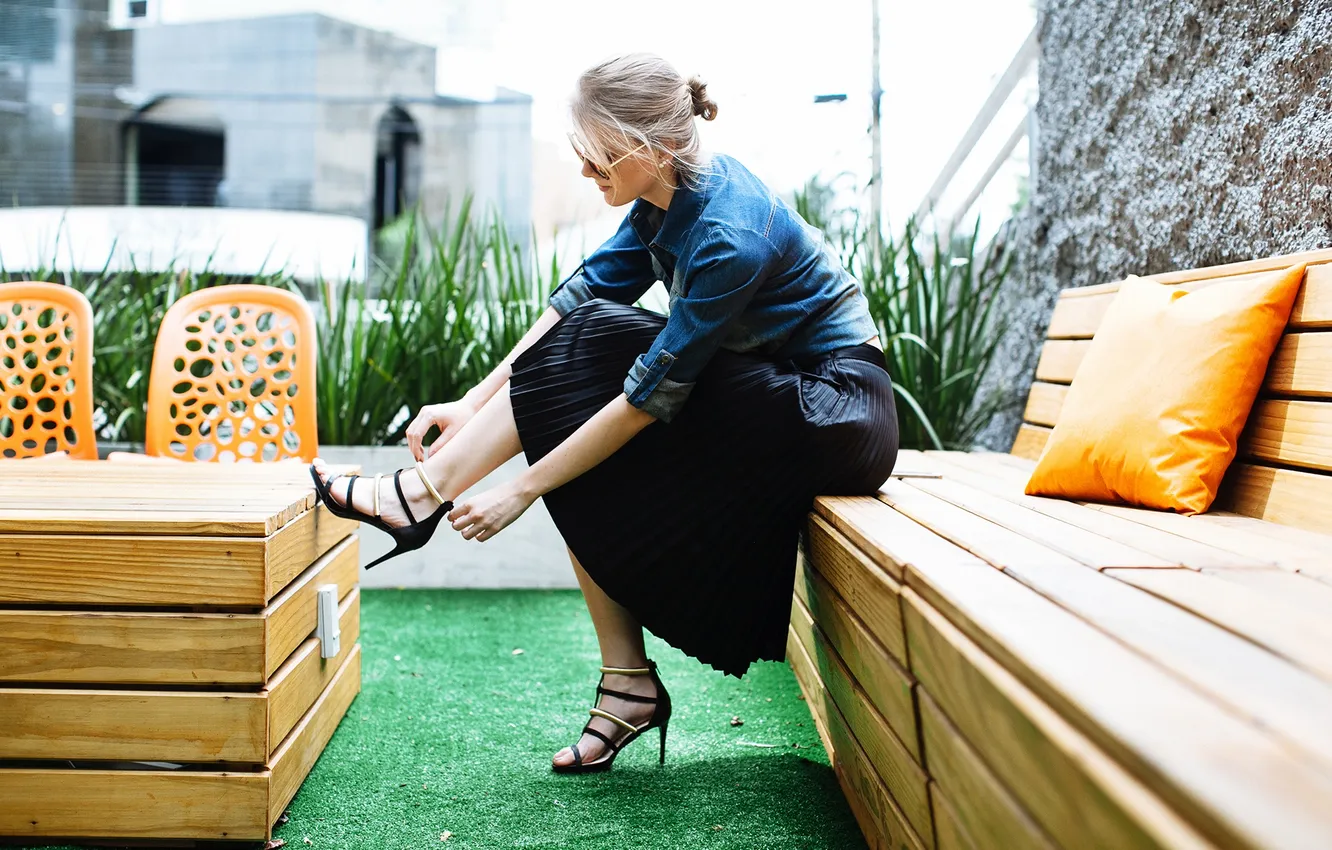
416 431
469 523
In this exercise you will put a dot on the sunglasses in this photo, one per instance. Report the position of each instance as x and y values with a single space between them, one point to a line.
603 173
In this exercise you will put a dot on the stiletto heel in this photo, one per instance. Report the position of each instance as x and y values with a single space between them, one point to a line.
406 538
661 716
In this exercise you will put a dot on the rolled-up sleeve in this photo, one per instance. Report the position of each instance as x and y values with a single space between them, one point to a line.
722 270
620 270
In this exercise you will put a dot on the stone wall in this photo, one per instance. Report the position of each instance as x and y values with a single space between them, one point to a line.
1171 135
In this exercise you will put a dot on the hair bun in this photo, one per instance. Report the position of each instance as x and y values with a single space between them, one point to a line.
703 105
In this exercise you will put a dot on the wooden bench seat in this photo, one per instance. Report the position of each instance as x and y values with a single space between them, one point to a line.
995 670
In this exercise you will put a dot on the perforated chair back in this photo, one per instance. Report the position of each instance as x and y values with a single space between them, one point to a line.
233 377
46 357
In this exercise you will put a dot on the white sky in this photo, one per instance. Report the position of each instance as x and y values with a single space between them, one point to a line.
763 62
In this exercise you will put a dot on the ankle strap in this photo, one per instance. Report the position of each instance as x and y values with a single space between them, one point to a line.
434 494
628 671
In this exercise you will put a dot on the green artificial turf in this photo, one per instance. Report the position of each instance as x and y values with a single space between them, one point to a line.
454 732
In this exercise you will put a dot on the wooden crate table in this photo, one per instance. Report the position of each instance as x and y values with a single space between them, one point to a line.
160 677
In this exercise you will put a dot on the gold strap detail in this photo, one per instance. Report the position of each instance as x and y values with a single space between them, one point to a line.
628 671
430 488
377 477
596 712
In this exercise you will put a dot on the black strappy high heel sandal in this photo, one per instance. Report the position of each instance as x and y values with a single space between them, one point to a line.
661 716
406 538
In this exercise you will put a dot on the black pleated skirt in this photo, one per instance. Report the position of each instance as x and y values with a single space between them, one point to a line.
693 525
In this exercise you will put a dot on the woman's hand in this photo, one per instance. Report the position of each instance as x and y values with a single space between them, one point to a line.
449 417
486 514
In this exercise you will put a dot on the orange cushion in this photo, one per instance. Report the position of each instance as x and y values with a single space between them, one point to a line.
1155 411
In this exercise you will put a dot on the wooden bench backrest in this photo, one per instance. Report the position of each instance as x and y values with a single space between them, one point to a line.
1283 472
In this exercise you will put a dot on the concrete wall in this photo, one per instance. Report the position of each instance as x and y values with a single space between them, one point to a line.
1172 135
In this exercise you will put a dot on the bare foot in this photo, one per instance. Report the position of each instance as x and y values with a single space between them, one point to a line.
590 747
421 503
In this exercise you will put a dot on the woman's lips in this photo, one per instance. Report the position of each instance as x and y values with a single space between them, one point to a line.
604 188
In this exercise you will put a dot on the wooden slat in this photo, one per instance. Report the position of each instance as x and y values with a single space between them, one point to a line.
1078 794
859 520
1263 264
175 499
1292 433
1086 547
1256 683
1232 781
1304 637
891 760
1253 683
1316 261
1060 360
159 804
139 648
1301 365
988 471
297 756
816 697
1283 496
983 805
1030 442
296 612
1283 588
186 726
1079 312
300 544
110 647
949 832
881 820
986 540
886 683
1044 403
868 591
142 570
305 675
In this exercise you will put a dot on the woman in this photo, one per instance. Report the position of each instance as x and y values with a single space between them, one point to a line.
677 455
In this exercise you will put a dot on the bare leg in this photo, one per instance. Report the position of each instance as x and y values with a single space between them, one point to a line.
621 640
486 441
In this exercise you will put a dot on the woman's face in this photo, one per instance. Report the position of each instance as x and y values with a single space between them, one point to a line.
631 175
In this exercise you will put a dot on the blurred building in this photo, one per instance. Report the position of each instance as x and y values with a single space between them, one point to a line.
60 120
102 105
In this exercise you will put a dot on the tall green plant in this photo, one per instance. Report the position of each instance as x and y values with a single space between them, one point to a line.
935 312
932 297
455 302
432 320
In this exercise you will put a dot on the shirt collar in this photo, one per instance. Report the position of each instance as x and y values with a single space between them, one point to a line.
669 228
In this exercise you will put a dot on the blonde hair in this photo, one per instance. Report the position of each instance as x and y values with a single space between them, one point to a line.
640 99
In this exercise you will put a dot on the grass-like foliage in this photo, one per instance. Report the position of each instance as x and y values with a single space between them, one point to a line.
434 318
933 298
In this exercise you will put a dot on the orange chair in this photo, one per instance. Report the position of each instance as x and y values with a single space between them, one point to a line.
46 357
233 378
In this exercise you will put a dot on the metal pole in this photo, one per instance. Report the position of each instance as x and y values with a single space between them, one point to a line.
876 144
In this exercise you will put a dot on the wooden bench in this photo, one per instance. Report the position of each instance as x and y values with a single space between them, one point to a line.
993 670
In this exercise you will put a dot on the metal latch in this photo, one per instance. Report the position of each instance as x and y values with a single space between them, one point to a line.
327 628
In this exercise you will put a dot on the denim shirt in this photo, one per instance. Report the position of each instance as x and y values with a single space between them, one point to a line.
745 272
